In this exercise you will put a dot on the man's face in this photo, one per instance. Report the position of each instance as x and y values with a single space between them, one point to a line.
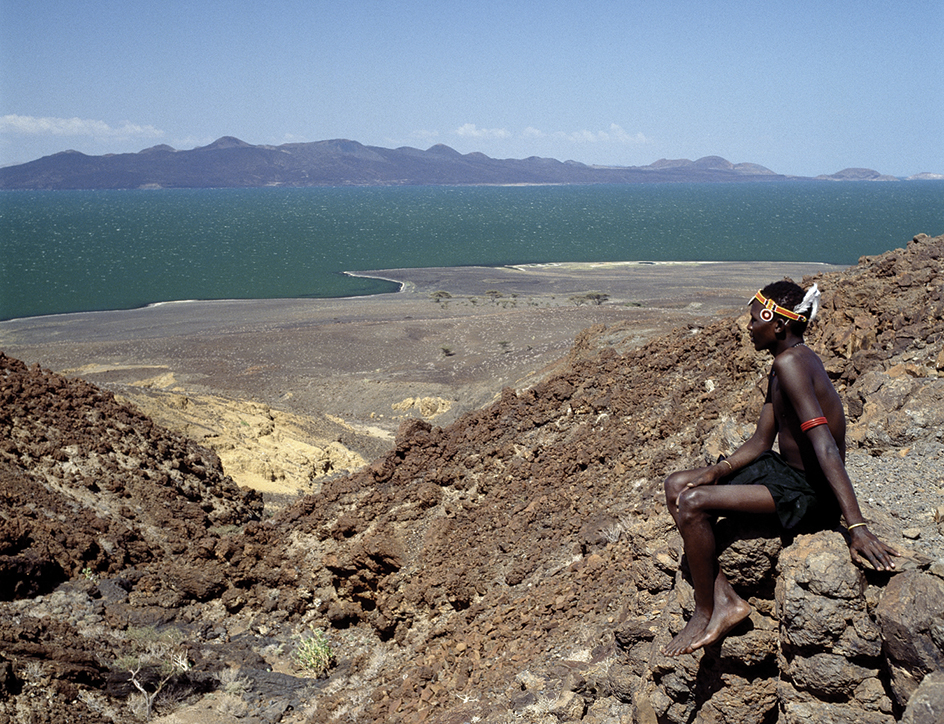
762 333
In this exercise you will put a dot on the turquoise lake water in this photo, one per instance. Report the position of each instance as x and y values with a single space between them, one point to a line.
67 251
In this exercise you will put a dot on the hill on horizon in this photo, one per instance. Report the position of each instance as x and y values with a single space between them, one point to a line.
230 162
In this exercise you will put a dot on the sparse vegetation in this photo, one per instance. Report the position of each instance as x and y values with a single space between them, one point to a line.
33 671
89 575
232 683
589 298
314 653
160 659
149 636
227 529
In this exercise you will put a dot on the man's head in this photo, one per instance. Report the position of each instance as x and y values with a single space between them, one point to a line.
781 308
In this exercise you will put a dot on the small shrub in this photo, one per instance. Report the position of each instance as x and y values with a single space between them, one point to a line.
232 683
143 704
227 529
314 653
590 298
33 671
150 635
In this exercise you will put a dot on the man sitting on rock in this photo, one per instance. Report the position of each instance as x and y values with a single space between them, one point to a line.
806 484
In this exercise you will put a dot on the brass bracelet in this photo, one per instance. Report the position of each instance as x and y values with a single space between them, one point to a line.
855 525
725 460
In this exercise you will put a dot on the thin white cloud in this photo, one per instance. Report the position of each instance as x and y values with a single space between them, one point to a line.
586 136
631 138
47 126
293 138
470 130
614 134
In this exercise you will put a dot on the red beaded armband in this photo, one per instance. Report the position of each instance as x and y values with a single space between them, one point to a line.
813 423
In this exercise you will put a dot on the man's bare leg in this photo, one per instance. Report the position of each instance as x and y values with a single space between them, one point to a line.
707 626
718 608
699 541
729 610
694 538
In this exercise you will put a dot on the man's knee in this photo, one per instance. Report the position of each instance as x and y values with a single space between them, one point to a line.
692 503
674 484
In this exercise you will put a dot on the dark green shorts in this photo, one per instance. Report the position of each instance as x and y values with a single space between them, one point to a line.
796 499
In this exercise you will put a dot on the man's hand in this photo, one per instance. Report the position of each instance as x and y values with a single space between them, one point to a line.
707 476
864 546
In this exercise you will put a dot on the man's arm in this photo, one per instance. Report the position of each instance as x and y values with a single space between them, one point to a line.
797 384
761 441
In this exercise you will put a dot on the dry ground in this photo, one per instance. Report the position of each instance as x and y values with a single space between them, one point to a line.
515 565
286 391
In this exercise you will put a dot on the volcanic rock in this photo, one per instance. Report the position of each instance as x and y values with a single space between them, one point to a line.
517 564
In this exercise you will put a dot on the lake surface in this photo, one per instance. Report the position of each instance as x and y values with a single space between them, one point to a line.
68 251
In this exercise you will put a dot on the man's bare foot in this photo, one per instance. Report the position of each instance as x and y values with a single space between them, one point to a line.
694 629
725 617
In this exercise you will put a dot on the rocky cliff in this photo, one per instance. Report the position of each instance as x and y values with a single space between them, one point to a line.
516 565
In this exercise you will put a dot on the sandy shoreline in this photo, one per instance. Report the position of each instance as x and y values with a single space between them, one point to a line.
446 343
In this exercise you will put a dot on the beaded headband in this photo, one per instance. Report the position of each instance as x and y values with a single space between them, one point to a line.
771 308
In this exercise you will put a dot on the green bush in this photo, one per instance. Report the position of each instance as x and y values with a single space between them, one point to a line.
314 653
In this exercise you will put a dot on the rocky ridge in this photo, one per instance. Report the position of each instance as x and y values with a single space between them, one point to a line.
516 565
230 162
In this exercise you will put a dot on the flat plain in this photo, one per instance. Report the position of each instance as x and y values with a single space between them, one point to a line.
349 370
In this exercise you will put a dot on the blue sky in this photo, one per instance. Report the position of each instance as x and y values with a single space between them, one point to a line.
803 87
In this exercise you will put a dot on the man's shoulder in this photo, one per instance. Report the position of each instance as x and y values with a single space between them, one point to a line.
795 361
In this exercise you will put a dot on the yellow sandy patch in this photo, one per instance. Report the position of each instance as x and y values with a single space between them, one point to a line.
260 448
362 429
428 407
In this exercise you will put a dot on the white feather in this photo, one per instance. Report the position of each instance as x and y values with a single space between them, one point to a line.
810 302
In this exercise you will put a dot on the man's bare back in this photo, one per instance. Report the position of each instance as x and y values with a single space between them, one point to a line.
794 445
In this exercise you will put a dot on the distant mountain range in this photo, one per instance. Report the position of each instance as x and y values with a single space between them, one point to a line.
231 163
